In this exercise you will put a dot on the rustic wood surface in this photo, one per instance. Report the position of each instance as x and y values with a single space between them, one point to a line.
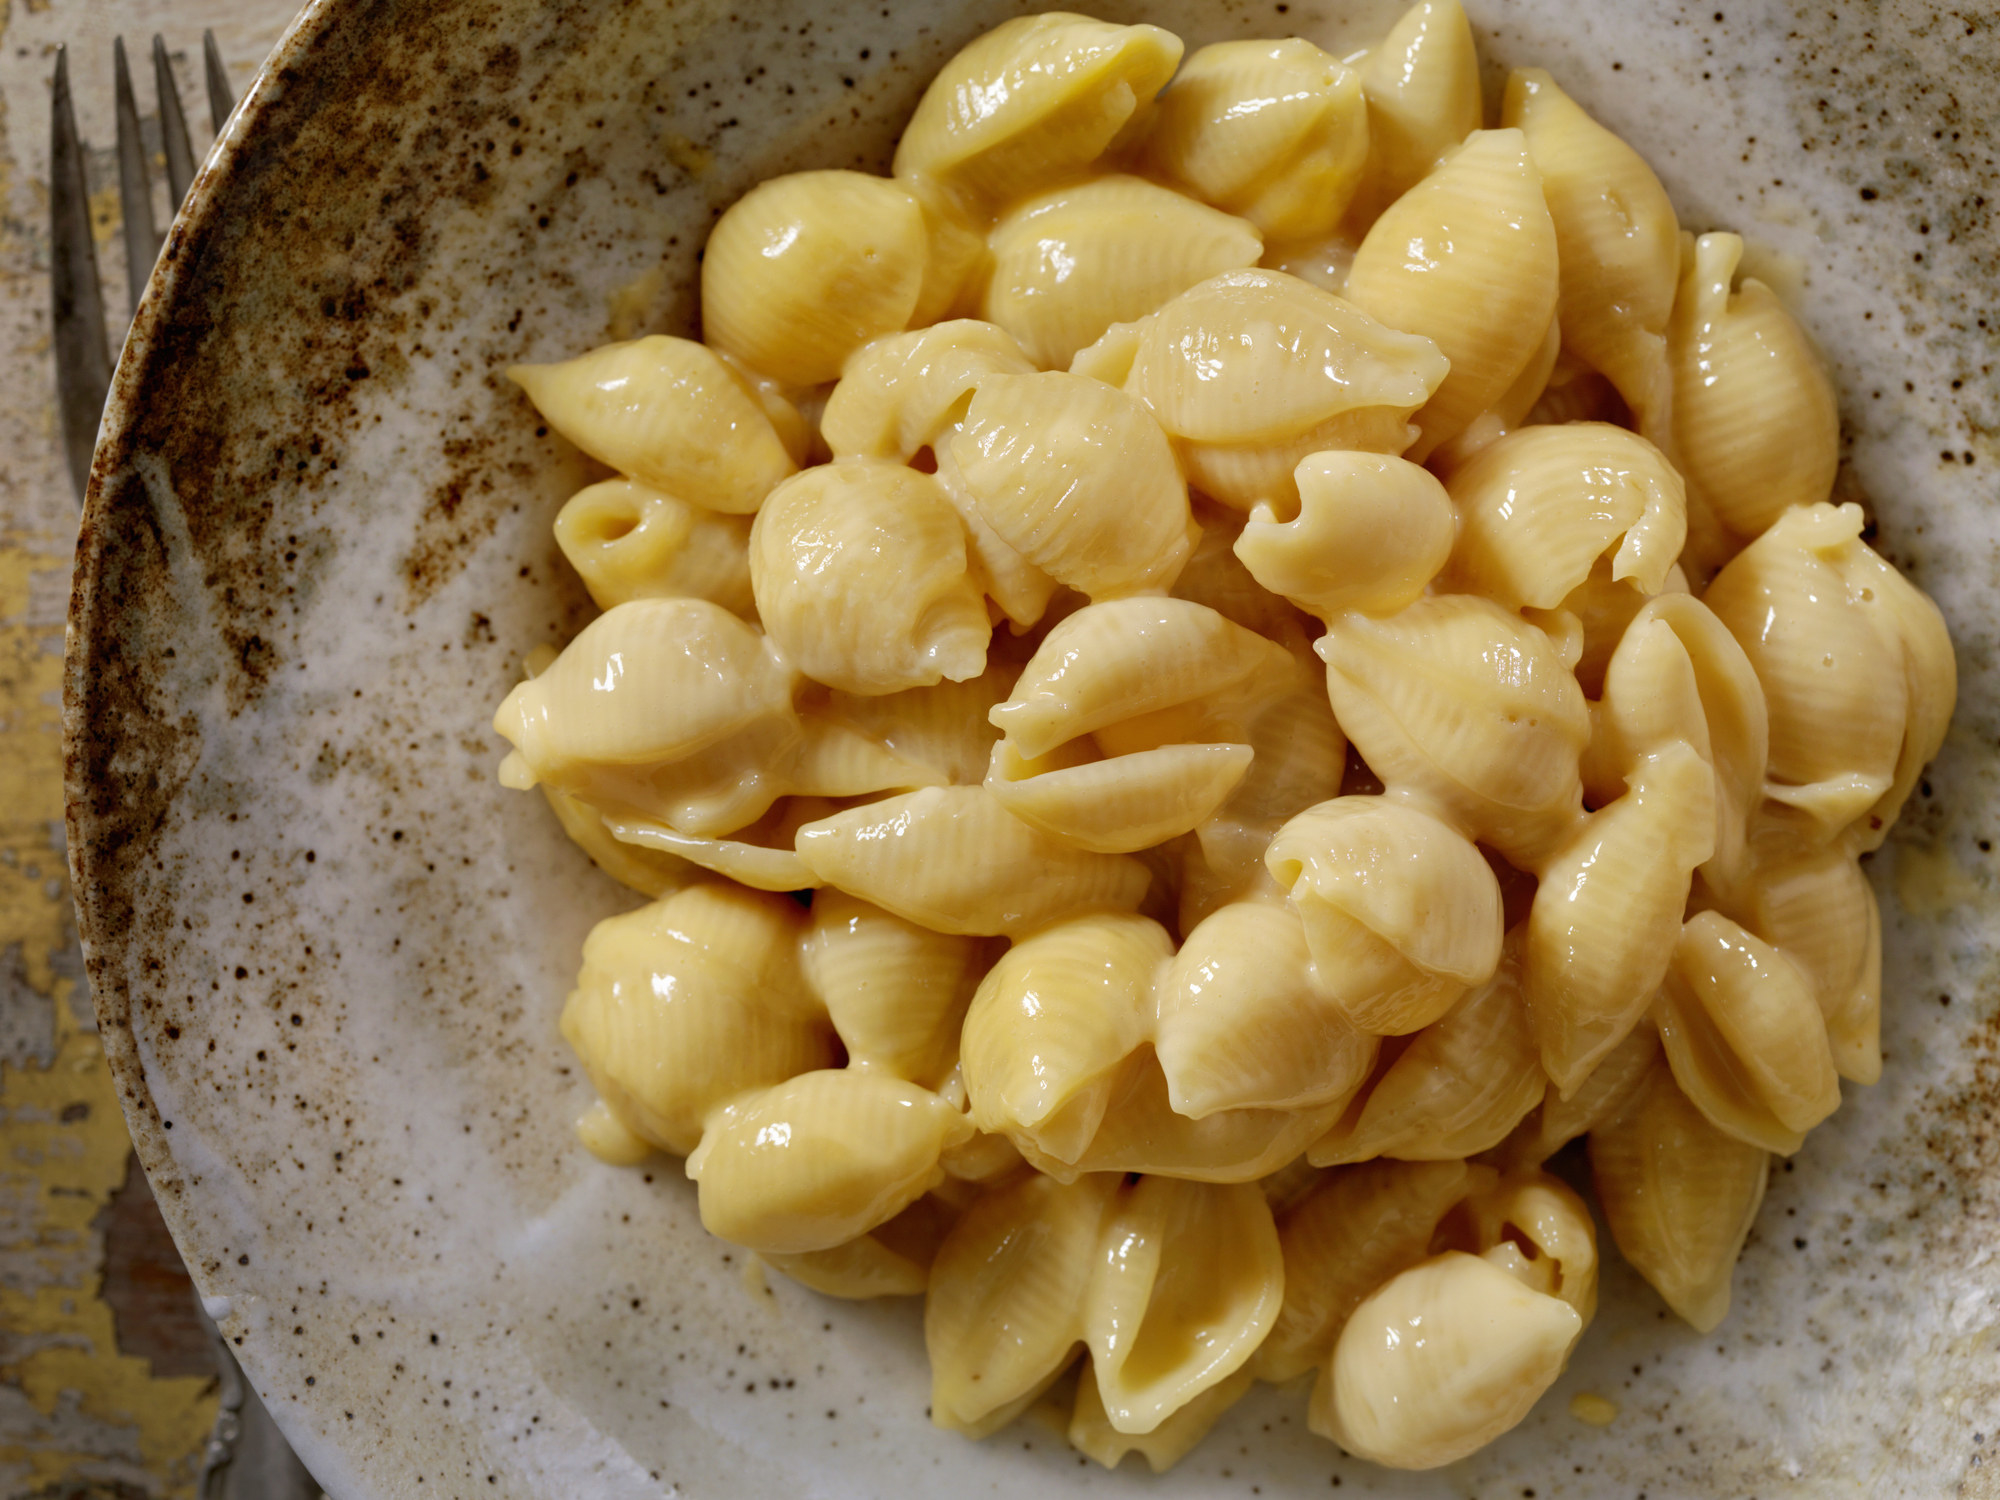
107 1384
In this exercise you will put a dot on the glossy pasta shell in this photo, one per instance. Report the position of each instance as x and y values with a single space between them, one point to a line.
1679 1196
942 728
627 540
902 392
1599 1098
813 1162
806 268
1069 263
1372 530
1123 804
954 860
859 570
669 413
1422 86
1188 1279
1467 259
1077 478
1091 1432
1815 906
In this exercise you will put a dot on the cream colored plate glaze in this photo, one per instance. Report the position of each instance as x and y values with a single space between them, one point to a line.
329 951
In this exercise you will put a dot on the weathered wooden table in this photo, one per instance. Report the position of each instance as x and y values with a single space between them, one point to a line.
107 1382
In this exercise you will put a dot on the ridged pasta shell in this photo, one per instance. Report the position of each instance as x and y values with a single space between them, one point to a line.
1469 704
954 860
859 570
1608 1088
688 1002
1257 357
1112 663
1091 1432
806 268
1123 804
1616 235
1371 532
1742 1029
1461 1085
1005 1309
1242 1025
1607 913
1300 756
1679 1197
1538 507
1142 1133
815 1161
1274 131
897 992
1069 263
649 872
1031 102
1837 691
1755 428
668 412
1813 903
1021 589
1422 87
1188 1279
627 540
1078 478
1359 1228
1051 1024
901 393
1413 881
943 729
1543 1216
1467 259
1440 1362
954 255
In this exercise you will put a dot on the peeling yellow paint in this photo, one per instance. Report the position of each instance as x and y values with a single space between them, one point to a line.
63 1144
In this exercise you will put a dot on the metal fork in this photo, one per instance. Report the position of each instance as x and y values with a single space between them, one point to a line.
83 364
247 1458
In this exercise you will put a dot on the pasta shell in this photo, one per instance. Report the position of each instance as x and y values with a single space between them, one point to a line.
1813 903
1461 1085
626 713
688 1002
1021 589
1467 259
806 268
608 1138
1538 507
669 413
1541 1215
1031 102
1005 1309
1371 532
1215 576
860 1269
1258 356
1242 1025
1124 804
1761 1038
859 569
954 860
1129 660
646 871
896 992
1441 1361
1679 1197
1837 691
1053 1021
1755 427
1616 235
1142 1133
1468 704
1067 264
1091 1432
1604 608
1300 755
760 857
943 729
954 258
627 540
902 392
1078 479
1607 913
1362 1226
1606 1091
813 1162
1413 881
1274 131
1188 1279
1422 87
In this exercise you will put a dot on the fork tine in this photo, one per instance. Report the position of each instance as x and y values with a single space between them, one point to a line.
220 103
83 367
135 196
173 125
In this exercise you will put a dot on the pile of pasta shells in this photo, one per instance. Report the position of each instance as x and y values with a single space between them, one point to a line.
1201 679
